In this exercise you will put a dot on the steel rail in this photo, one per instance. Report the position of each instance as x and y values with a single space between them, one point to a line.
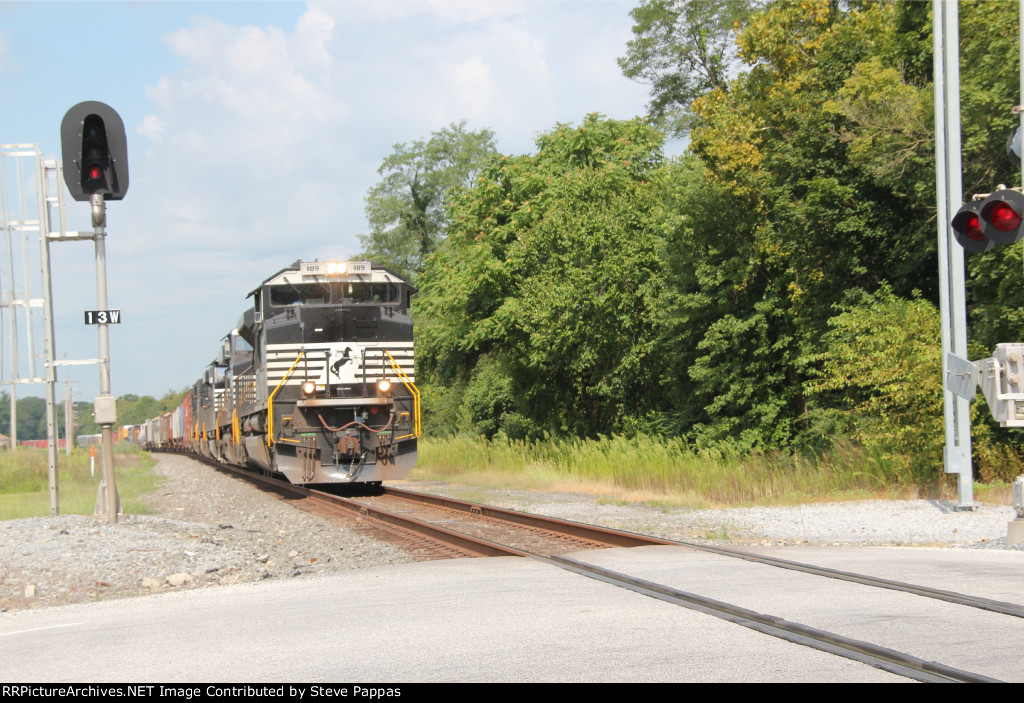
880 657
996 606
603 535
874 655
619 538
467 543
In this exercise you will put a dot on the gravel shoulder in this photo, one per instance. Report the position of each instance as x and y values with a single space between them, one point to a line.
208 529
211 529
882 523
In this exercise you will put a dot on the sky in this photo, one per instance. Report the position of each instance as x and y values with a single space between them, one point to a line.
255 130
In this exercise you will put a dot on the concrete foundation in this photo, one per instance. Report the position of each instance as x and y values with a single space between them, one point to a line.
1015 532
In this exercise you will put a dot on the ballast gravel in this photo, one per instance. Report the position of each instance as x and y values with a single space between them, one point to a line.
212 529
209 529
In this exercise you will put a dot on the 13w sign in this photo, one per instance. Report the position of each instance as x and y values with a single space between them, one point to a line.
102 317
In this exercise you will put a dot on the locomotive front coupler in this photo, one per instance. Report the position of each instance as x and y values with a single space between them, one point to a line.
347 442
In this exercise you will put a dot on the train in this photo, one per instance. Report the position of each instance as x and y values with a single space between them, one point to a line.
315 384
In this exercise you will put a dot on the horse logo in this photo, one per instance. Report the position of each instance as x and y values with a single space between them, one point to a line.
342 360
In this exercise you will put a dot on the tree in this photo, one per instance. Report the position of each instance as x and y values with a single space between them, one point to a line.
542 303
881 357
133 410
406 209
31 417
683 49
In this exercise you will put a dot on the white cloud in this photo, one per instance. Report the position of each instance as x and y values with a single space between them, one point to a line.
151 126
248 92
474 89
469 11
263 141
7 64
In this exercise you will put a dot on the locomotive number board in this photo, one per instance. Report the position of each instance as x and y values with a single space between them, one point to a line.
335 268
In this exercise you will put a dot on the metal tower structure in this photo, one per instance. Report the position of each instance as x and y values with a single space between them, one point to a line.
26 321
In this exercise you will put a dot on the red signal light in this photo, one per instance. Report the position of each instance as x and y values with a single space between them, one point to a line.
969 228
1003 217
95 151
972 228
1000 216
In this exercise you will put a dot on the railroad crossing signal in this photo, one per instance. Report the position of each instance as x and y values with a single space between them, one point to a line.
95 151
998 219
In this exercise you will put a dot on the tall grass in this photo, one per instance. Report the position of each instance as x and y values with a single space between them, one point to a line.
24 481
666 470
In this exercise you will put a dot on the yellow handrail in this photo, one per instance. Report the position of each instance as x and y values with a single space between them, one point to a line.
270 400
407 382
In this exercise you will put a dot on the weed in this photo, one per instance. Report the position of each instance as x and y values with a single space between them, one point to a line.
25 483
666 472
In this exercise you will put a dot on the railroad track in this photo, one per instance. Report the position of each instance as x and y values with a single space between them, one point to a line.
439 527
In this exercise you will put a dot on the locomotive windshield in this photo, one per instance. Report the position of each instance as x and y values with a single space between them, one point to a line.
339 292
368 292
300 294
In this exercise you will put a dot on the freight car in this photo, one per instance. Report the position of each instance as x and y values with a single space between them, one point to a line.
315 384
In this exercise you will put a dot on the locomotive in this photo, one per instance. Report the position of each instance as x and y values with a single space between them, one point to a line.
315 384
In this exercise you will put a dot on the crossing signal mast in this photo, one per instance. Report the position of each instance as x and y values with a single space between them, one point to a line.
979 226
984 223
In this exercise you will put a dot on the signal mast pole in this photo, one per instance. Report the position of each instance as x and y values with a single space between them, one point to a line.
949 192
93 139
104 406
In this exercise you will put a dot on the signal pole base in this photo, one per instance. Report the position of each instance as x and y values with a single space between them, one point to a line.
1015 532
101 500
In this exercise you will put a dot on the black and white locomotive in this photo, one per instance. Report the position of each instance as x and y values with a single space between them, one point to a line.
315 383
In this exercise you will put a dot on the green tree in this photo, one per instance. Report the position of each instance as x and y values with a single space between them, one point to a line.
133 410
882 361
543 302
728 336
406 209
31 417
800 223
683 49
172 399
990 84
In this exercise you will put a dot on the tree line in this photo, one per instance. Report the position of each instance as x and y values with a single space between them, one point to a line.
131 410
775 288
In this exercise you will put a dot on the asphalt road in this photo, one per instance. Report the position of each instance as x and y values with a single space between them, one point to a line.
517 620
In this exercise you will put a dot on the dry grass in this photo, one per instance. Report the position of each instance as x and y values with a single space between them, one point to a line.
24 482
666 473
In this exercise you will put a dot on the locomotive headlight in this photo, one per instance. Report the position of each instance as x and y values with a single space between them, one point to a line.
335 268
383 385
308 389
